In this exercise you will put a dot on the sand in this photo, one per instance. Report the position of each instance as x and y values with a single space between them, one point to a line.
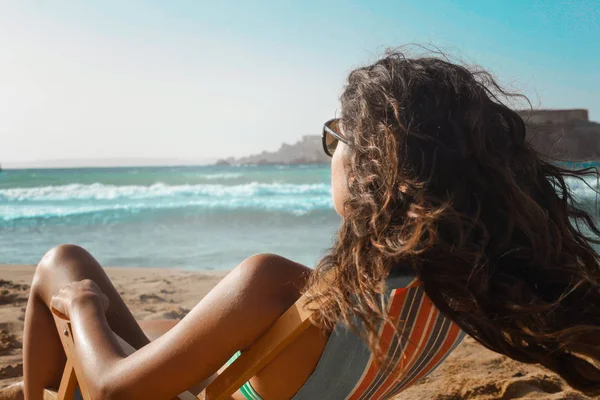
471 372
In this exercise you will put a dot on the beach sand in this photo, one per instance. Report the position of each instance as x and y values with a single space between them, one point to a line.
471 372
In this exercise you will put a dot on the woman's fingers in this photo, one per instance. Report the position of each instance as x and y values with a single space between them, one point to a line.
62 302
58 305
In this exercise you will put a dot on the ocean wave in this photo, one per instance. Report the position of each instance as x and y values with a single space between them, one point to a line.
298 205
584 190
222 176
99 191
97 198
78 199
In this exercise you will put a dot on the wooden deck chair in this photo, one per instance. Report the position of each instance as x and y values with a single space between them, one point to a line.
283 332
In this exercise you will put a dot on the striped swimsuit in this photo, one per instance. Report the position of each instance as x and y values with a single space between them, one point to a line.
347 369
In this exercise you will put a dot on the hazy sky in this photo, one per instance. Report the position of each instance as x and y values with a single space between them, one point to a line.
203 80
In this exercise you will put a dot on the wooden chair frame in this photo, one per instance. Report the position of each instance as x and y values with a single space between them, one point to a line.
283 332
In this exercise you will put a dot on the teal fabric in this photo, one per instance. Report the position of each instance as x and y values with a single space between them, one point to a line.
247 390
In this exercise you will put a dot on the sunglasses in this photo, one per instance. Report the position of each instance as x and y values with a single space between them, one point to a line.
331 137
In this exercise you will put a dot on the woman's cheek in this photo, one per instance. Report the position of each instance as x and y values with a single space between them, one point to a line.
339 179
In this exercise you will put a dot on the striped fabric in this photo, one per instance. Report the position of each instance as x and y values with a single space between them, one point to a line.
427 340
347 369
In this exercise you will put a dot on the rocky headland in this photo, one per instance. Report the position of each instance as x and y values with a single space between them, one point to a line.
566 135
306 151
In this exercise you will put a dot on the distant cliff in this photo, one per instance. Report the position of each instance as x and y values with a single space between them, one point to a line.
307 151
560 134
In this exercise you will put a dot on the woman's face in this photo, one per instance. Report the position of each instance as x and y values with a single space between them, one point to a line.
339 177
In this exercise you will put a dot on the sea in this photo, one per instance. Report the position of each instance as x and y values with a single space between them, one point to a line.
204 217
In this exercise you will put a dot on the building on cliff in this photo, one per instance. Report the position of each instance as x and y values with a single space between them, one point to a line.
566 135
540 117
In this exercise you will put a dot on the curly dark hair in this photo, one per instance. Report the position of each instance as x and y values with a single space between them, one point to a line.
446 186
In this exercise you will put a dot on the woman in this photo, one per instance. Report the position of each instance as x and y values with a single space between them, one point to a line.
433 177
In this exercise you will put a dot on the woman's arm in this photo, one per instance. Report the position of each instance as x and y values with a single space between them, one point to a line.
230 318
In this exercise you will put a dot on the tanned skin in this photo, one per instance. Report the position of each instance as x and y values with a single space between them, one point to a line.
171 356
185 354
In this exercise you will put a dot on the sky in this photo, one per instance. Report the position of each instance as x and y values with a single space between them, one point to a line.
196 80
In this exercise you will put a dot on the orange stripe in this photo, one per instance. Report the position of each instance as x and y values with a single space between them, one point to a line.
397 301
442 327
423 327
444 348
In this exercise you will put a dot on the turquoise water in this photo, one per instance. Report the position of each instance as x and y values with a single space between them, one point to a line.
192 217
188 217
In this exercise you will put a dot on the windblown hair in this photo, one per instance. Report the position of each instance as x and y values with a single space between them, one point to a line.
446 186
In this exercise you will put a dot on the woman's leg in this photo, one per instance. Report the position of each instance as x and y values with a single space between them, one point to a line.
155 328
43 357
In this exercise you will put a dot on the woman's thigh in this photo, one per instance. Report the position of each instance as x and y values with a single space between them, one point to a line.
155 328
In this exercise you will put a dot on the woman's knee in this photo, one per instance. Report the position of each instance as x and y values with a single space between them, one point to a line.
58 262
61 256
267 264
275 273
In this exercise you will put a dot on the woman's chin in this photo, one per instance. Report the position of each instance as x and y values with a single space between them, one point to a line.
339 209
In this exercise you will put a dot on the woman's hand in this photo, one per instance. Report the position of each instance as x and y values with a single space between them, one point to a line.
76 293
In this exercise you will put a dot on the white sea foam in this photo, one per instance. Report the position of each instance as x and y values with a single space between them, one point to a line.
98 191
223 176
294 205
77 199
586 190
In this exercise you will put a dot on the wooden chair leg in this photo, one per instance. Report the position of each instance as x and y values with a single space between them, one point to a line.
68 383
